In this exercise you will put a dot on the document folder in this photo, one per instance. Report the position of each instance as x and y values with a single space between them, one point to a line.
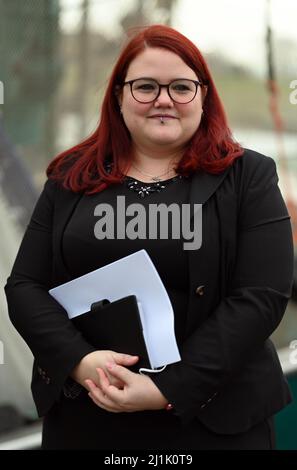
134 274
115 326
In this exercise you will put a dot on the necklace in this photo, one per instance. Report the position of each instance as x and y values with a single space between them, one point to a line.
145 189
154 178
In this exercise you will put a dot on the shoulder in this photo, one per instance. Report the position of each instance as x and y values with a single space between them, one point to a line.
254 170
54 188
252 163
54 196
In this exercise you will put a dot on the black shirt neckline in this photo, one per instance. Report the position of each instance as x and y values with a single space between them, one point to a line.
151 182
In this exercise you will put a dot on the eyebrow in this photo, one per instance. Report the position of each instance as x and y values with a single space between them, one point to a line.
156 80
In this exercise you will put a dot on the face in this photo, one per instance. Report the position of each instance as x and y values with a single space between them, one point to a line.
180 121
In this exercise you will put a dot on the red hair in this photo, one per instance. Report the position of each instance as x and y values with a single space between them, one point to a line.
212 148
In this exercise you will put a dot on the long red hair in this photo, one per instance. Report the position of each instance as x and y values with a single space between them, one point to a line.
212 148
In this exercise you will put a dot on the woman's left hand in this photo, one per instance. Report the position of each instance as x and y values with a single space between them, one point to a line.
139 392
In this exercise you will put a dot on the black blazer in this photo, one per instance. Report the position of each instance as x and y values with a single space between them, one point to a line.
230 376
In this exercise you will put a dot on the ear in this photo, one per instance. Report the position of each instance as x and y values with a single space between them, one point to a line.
204 91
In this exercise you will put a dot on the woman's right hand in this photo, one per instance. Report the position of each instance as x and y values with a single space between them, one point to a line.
86 368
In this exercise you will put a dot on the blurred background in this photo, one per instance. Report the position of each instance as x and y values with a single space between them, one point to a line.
55 60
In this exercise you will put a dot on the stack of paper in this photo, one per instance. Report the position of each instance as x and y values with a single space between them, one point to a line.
132 275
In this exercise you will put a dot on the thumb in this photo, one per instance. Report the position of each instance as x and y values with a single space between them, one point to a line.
126 358
118 371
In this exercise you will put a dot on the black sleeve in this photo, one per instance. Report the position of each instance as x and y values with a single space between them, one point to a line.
256 301
42 322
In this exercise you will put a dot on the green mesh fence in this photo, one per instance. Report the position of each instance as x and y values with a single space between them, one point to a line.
29 65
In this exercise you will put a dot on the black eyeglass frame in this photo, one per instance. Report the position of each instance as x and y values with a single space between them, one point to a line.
163 85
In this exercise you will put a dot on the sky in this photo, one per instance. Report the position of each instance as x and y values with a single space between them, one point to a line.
235 28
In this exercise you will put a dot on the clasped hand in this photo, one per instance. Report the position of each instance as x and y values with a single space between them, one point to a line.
138 392
113 387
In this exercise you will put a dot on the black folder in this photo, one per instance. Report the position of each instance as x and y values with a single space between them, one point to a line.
115 326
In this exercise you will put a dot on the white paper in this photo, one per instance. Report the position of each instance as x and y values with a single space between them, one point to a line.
132 275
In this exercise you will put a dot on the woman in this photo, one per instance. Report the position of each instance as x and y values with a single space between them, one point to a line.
162 138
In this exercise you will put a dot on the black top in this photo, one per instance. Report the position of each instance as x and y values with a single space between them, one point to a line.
83 252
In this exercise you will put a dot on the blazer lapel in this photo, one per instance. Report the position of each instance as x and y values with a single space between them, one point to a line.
203 186
65 203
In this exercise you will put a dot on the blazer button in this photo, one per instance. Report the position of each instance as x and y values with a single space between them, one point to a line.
200 290
47 380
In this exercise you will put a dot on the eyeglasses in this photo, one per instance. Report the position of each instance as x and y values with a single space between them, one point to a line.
147 90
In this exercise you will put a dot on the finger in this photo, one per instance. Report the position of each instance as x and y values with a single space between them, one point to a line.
106 382
90 384
117 383
103 379
126 358
103 402
104 375
100 398
110 379
121 373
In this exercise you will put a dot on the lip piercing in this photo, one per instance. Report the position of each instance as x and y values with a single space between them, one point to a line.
161 120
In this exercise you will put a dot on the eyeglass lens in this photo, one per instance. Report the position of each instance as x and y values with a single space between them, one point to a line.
180 91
